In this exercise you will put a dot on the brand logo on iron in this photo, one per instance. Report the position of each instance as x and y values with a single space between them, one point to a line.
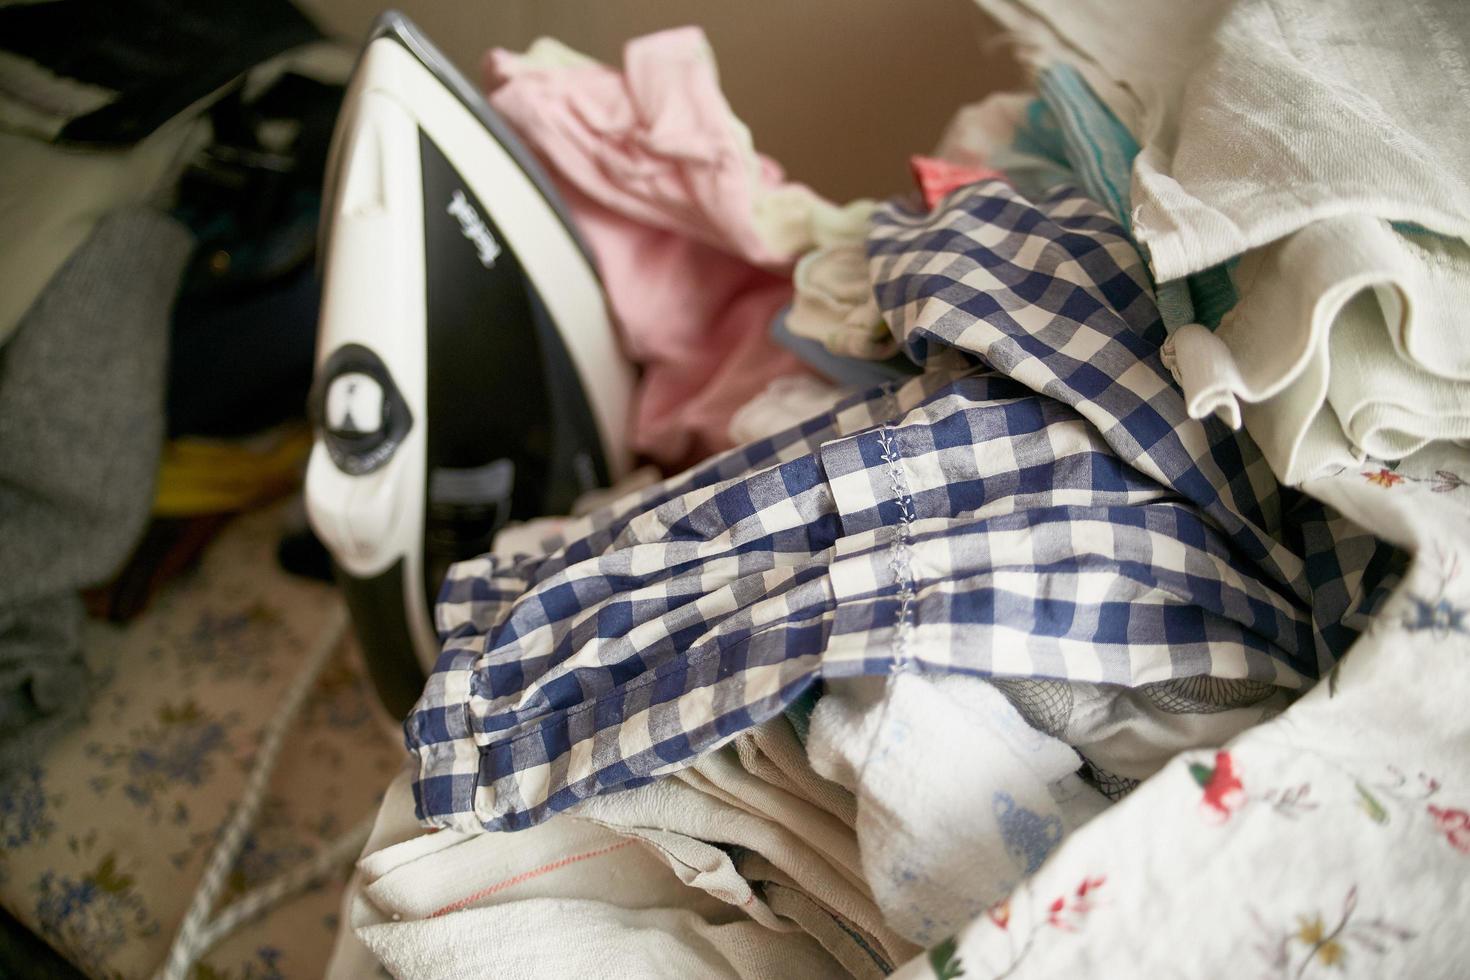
472 226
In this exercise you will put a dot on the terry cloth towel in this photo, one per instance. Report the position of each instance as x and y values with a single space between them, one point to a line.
694 233
1037 504
422 905
1334 839
81 426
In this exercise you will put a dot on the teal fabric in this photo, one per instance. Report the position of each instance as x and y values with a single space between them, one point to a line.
1213 294
1036 161
799 712
1041 136
1098 148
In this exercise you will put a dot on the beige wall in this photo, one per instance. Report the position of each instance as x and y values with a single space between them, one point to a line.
839 91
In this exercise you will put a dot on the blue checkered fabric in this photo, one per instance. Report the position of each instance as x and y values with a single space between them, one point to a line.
1036 504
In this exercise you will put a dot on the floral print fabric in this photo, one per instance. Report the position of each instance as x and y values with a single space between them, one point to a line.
104 838
1331 841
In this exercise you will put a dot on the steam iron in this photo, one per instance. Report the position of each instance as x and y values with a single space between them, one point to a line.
467 368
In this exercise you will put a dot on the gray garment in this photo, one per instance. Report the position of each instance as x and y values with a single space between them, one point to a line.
81 426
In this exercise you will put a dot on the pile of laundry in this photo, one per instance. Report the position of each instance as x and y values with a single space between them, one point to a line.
1114 558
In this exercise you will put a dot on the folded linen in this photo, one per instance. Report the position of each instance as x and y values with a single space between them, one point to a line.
715 817
1425 310
1388 407
1241 108
1308 358
422 904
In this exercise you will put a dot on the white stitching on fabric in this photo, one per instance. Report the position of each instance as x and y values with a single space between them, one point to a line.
899 554
899 562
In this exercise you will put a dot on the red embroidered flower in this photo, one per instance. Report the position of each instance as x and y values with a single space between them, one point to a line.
1054 915
1000 913
1090 884
1079 906
1083 903
1223 790
1455 824
1384 478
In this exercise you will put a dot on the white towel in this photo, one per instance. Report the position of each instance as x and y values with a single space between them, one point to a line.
566 898
1391 304
1309 358
1429 326
695 817
1388 407
1292 135
1258 117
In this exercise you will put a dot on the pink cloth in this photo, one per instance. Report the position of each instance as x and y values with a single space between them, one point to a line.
664 186
936 178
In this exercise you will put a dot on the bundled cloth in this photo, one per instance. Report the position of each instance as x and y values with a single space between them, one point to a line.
974 673
1305 158
986 671
694 232
829 837
1038 504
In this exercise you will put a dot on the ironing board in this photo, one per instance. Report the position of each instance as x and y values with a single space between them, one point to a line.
104 838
